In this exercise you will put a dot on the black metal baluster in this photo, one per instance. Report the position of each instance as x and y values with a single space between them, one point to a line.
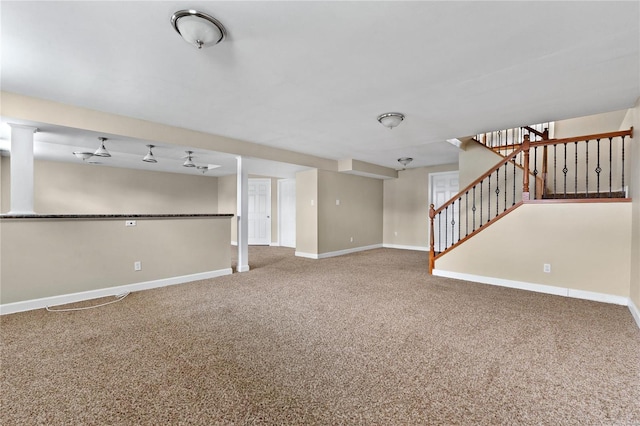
505 186
459 218
575 184
598 170
481 204
466 204
446 226
489 198
555 169
514 184
565 170
586 170
439 232
497 189
453 222
610 155
474 208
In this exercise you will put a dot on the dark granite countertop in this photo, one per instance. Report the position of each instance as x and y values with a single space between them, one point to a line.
114 216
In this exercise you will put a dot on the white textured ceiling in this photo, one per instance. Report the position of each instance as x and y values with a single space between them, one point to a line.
312 77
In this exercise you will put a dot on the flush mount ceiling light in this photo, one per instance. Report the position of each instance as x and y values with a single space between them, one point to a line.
404 161
83 155
189 157
197 28
149 158
102 151
391 119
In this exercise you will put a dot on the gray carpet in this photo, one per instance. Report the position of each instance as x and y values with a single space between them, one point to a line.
368 338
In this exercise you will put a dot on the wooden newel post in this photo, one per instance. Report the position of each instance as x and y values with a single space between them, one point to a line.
525 165
545 166
432 253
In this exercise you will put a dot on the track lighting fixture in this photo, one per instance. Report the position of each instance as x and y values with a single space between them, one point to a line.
149 158
102 151
189 162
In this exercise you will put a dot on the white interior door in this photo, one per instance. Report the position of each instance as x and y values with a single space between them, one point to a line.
287 212
259 216
443 187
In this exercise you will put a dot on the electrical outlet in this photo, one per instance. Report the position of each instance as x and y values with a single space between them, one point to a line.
137 266
337 202
351 239
395 233
313 203
547 268
129 223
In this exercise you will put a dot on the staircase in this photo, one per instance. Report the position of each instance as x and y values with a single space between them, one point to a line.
533 168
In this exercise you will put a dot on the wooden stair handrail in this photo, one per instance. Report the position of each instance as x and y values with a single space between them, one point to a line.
535 132
585 138
477 181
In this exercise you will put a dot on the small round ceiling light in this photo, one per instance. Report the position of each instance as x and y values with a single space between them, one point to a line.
197 28
391 119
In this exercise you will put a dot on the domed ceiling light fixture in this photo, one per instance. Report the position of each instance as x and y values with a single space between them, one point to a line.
102 151
197 28
149 158
404 161
390 119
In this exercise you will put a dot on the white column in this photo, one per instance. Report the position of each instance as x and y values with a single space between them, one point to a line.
242 215
21 161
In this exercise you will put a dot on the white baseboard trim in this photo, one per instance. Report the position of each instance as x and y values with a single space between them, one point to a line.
276 244
348 251
306 255
28 305
538 288
242 268
403 247
234 243
635 312
337 253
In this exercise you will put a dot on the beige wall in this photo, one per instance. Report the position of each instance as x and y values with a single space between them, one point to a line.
599 123
5 182
70 188
1 187
70 256
406 206
227 201
307 211
633 119
474 160
584 254
358 217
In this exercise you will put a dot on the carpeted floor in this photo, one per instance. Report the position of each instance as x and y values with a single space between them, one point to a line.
368 338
